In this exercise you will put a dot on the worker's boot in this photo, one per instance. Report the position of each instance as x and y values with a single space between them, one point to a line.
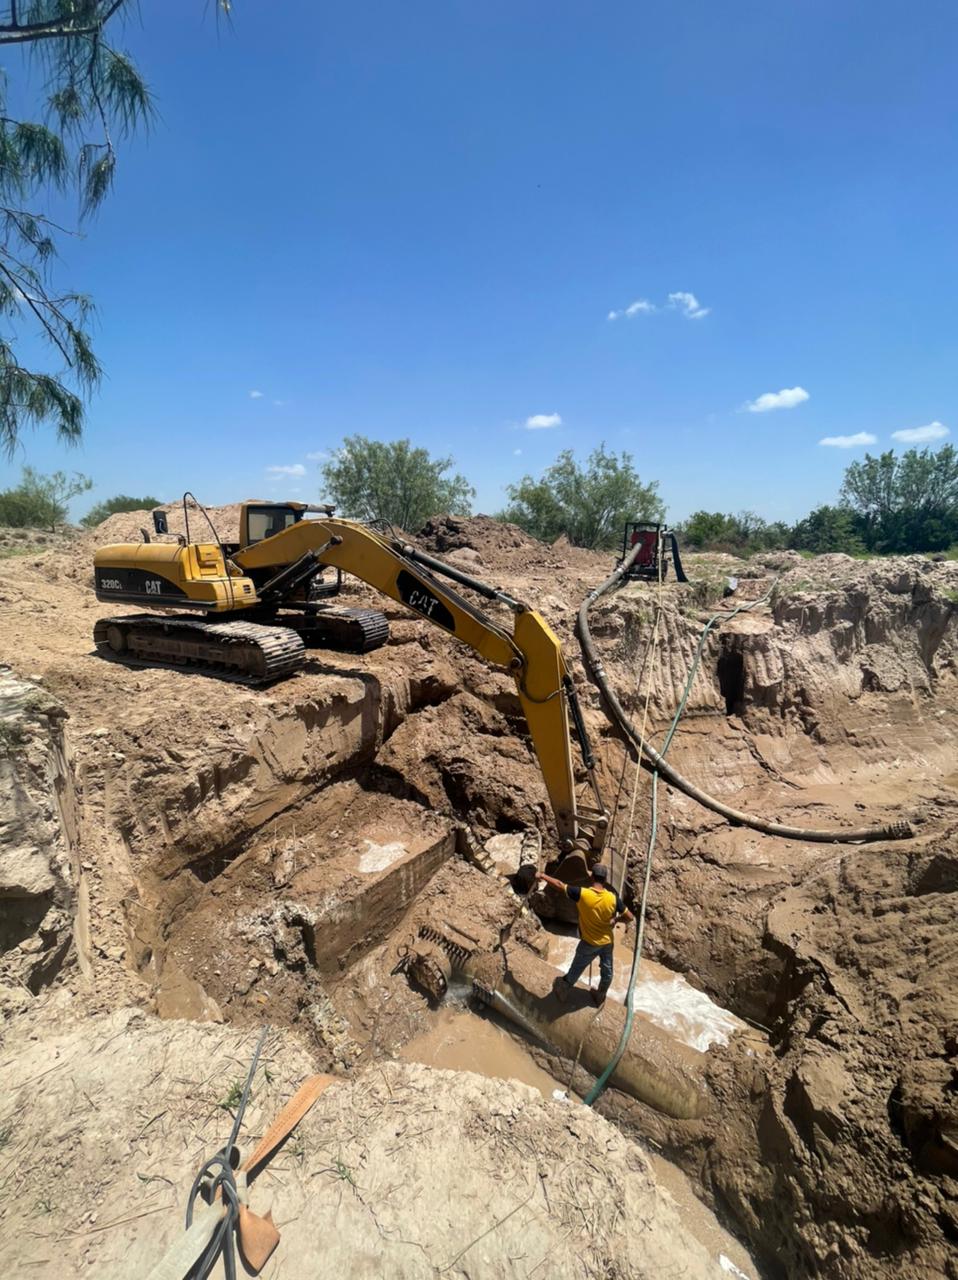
598 997
561 989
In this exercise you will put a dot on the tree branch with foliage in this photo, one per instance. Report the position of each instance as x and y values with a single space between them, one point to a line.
93 95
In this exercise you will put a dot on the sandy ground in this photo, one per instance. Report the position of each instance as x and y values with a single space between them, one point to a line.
103 1141
299 827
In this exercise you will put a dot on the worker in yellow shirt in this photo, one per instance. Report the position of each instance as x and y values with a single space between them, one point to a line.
600 908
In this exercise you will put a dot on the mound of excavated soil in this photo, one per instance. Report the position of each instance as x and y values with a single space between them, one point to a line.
481 533
399 1171
125 526
504 547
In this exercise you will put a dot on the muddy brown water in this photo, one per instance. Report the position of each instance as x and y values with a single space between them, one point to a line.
459 1039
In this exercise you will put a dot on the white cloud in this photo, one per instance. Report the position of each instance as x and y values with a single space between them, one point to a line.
279 403
921 435
539 421
787 398
516 453
296 469
641 306
849 442
256 395
318 455
689 305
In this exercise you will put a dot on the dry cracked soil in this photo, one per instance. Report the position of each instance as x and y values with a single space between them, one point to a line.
184 859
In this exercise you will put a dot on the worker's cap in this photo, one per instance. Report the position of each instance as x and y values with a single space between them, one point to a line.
599 872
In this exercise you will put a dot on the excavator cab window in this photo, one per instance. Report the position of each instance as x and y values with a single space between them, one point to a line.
266 522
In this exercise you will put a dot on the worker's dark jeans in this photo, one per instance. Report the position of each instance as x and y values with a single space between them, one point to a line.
585 953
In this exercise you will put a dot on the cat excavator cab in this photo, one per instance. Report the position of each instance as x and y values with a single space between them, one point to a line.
257 601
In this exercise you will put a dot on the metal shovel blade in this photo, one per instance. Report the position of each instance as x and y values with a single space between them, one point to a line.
258 1237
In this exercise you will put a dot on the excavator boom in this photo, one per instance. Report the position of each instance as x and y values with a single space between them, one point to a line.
532 653
259 600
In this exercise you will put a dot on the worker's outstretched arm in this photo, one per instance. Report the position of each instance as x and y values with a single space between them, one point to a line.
556 884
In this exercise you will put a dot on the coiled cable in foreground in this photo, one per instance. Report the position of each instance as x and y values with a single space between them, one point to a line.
216 1178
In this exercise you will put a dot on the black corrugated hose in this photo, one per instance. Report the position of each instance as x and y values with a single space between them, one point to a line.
652 760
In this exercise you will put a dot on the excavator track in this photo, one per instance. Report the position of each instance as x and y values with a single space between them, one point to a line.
347 630
246 652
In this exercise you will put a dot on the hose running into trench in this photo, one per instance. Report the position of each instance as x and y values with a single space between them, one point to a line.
899 831
600 1083
655 762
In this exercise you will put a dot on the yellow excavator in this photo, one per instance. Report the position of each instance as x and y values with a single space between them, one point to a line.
261 600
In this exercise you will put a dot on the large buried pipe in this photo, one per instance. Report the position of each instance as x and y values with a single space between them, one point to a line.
651 759
655 1069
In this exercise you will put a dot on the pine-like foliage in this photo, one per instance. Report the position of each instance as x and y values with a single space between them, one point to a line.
93 96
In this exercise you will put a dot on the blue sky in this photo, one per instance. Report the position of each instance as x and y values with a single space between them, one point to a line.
415 220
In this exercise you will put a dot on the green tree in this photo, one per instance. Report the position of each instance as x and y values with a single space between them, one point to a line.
705 529
92 95
41 500
589 504
757 534
829 529
394 483
907 503
110 506
741 534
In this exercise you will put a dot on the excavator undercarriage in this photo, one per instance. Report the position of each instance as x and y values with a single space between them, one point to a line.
247 652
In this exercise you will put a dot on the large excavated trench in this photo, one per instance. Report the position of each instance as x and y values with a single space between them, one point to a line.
318 853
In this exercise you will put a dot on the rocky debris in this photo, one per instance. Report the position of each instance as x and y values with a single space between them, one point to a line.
780 560
106 1123
39 874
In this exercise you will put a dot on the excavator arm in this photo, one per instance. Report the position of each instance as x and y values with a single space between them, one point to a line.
531 653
